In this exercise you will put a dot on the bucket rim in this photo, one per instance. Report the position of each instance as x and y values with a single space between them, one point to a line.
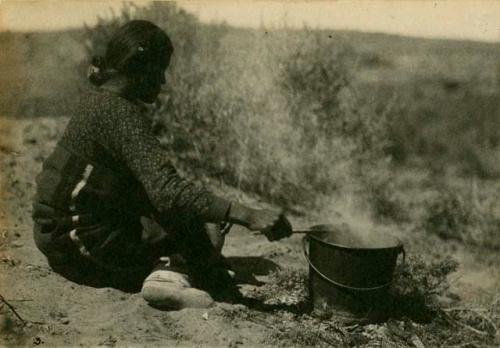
398 245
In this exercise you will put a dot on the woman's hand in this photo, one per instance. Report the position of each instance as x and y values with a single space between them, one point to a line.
272 224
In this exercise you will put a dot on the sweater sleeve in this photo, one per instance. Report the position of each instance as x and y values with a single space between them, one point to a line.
128 136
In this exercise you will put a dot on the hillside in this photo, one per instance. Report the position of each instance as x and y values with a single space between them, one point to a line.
33 61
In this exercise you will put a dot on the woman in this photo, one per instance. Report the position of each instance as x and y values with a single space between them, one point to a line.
108 171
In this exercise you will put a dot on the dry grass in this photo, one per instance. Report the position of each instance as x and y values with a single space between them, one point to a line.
463 215
289 115
273 112
423 311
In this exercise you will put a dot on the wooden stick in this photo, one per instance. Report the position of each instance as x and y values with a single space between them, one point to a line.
12 309
309 231
302 231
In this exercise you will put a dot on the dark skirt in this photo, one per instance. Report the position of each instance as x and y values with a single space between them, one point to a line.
126 266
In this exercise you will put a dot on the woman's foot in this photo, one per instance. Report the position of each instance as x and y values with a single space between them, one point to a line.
170 287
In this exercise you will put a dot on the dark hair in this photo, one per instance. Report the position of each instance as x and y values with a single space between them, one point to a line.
131 50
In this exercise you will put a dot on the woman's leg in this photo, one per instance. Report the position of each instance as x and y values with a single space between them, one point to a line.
199 243
191 252
209 268
65 259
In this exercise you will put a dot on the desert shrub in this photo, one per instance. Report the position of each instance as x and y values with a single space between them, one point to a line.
385 205
452 214
423 311
272 112
342 138
286 287
446 123
449 216
416 292
418 286
166 15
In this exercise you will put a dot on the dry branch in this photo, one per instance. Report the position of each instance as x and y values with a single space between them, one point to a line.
11 307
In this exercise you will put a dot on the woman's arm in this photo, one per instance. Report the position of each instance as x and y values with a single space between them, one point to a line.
272 224
126 133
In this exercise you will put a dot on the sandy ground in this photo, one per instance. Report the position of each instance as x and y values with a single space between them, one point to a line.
61 313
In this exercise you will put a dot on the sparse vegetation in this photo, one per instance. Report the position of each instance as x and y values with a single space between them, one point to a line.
423 309
284 114
270 112
309 120
453 214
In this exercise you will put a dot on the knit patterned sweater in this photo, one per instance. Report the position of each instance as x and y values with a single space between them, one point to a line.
107 171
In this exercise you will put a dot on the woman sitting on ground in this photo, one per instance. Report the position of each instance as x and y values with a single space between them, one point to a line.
108 171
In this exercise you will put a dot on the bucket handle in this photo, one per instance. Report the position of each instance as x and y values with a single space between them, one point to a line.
306 254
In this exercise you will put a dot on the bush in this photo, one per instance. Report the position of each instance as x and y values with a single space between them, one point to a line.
420 313
270 112
419 284
452 214
449 216
446 127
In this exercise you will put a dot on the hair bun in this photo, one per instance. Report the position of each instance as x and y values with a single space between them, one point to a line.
96 70
98 61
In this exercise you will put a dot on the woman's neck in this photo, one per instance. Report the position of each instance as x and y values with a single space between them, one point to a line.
119 85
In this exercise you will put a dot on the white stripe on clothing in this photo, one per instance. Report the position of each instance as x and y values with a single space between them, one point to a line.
83 250
80 185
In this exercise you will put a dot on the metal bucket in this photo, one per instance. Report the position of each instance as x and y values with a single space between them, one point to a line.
349 278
